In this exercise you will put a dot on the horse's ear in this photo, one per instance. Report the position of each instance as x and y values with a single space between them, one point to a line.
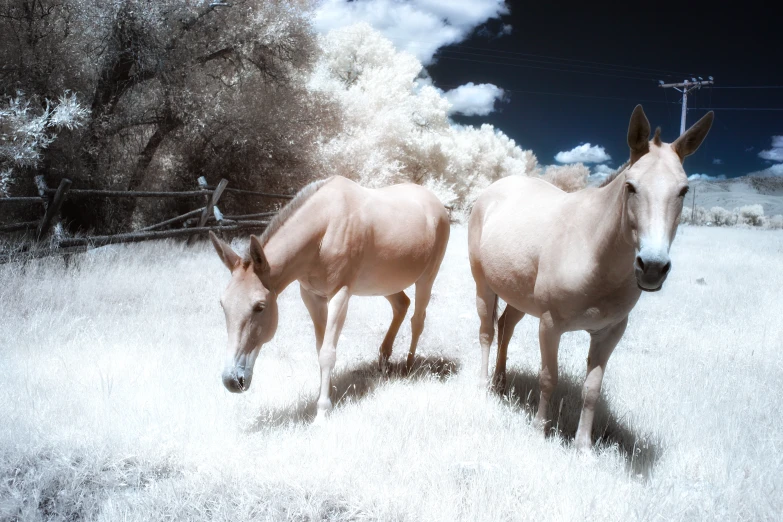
638 134
228 256
257 255
687 144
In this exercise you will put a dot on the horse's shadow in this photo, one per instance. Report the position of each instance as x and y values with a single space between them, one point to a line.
352 384
640 453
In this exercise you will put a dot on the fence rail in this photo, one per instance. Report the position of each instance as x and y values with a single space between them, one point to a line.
133 193
25 199
256 193
201 219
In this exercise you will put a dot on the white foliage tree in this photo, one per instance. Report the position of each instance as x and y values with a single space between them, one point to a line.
26 130
397 127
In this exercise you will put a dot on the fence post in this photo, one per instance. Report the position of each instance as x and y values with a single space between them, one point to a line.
210 205
202 182
52 208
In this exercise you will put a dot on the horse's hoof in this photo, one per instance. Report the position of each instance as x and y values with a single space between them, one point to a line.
499 385
540 425
584 446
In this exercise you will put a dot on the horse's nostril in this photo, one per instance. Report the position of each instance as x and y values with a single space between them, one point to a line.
640 263
241 381
666 268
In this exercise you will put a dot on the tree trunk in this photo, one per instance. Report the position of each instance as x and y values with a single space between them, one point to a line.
139 174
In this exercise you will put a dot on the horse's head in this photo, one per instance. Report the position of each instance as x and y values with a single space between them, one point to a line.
655 187
250 309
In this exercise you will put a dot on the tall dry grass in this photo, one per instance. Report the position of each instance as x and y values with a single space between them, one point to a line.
111 405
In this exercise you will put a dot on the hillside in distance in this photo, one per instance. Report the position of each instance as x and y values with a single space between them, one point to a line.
738 192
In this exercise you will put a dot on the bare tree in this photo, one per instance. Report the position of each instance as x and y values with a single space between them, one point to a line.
174 89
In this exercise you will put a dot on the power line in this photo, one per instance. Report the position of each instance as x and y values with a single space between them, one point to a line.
644 70
750 87
735 109
443 46
547 68
549 93
549 62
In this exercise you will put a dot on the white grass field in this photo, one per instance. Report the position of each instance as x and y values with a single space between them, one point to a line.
112 407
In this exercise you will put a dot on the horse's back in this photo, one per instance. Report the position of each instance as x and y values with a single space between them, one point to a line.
528 207
394 235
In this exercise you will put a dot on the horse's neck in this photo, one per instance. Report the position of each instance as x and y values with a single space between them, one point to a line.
291 251
613 245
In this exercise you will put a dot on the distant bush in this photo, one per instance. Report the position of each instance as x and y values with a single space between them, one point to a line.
749 215
697 216
569 178
721 217
775 222
752 215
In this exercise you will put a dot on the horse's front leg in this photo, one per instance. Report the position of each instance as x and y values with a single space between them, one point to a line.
602 344
316 305
335 318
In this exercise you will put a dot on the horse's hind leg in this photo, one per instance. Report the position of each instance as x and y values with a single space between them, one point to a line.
511 316
423 294
486 304
399 303
549 341
424 288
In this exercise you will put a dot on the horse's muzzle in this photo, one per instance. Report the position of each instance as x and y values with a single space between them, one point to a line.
237 380
651 273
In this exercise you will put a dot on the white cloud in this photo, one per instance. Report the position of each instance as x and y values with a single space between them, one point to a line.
584 153
717 161
419 27
774 170
776 152
599 174
706 177
474 99
604 169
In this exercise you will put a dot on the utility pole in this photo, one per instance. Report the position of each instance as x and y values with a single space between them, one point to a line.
685 87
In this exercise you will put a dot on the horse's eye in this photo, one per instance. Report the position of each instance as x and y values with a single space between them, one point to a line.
631 188
258 307
684 191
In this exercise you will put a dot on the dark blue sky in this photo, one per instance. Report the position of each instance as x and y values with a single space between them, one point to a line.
637 44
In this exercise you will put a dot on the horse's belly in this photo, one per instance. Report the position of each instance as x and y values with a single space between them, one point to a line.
388 276
592 312
510 268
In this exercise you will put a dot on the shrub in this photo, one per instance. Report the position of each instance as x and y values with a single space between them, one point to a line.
699 216
569 178
722 218
752 215
775 222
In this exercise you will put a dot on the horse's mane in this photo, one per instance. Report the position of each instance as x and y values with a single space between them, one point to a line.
622 168
287 211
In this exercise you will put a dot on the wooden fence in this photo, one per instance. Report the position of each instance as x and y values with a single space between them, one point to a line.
51 238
